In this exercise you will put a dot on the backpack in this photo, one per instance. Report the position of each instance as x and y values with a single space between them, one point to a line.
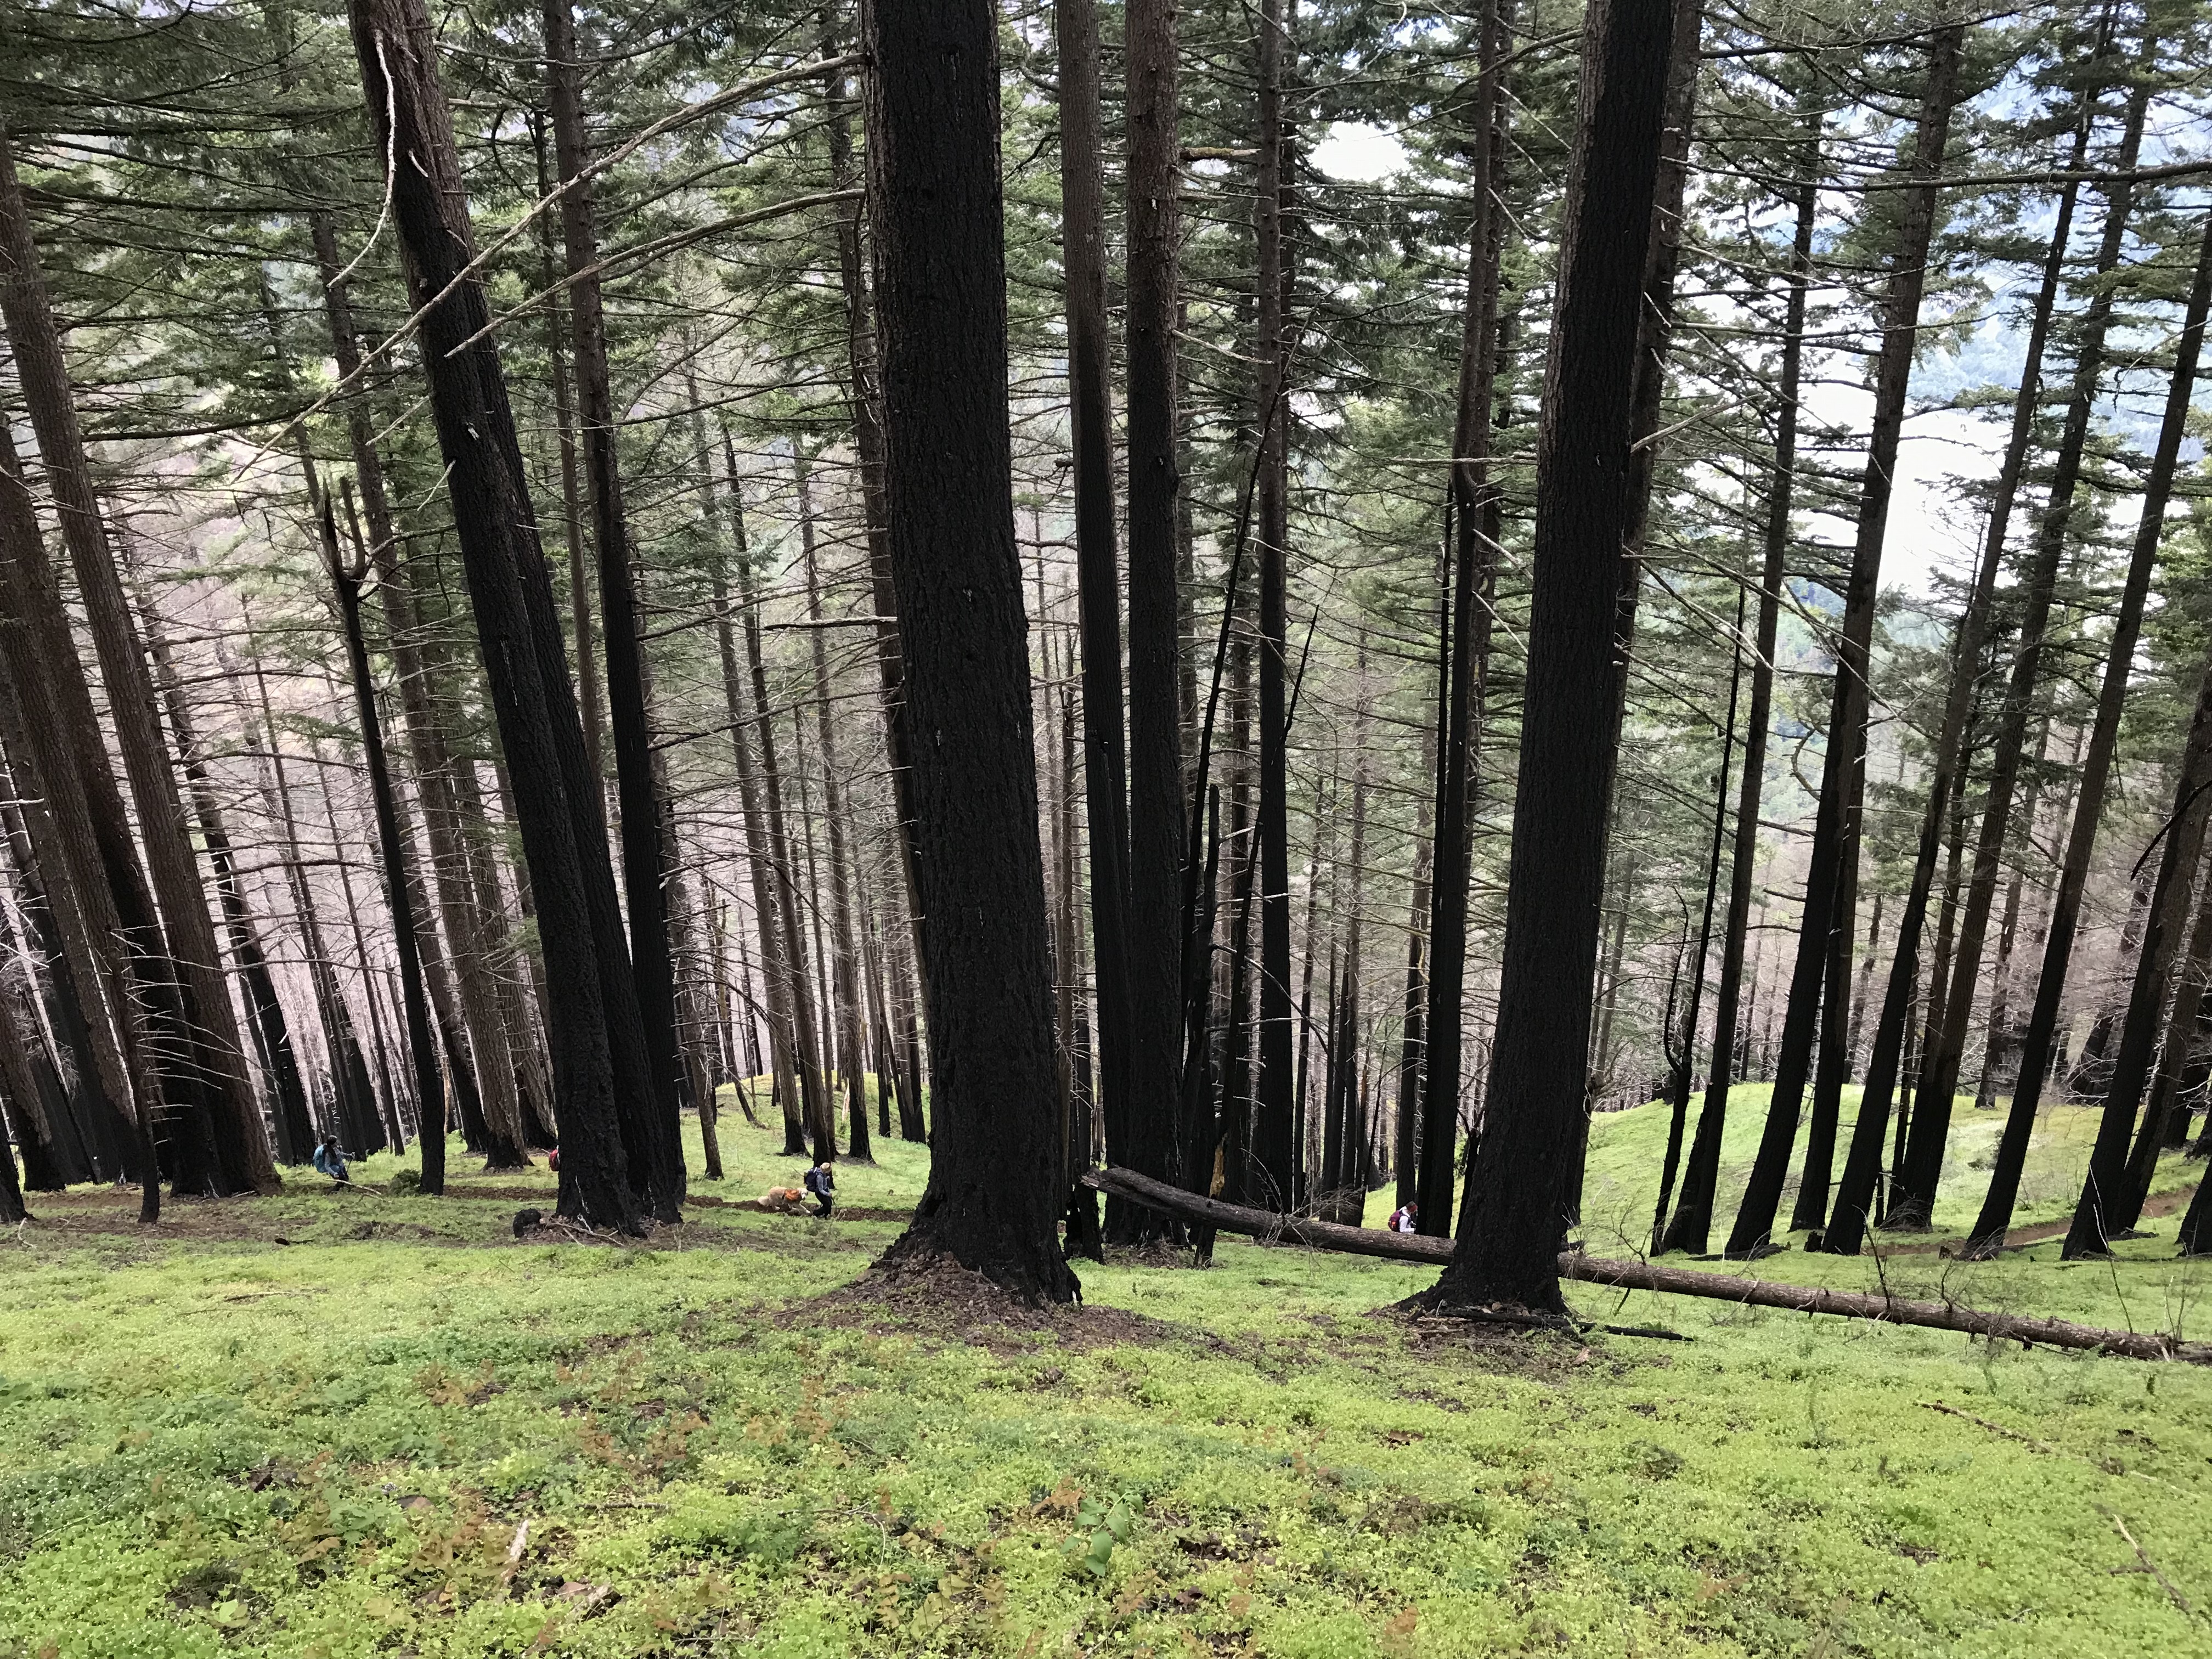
814 1182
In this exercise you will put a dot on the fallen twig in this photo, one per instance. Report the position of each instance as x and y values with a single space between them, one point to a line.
2143 1556
1994 1428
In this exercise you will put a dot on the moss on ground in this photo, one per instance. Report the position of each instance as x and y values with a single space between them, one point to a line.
405 1432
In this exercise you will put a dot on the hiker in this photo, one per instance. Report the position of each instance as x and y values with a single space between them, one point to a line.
330 1160
822 1181
1406 1219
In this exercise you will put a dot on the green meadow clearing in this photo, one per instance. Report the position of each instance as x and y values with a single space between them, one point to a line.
335 1424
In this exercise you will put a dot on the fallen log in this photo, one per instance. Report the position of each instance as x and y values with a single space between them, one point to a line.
1271 1228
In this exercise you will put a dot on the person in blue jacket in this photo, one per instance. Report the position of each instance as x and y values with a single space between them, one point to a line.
330 1160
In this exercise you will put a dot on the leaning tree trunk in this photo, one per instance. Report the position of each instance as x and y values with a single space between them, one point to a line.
1683 1060
1512 1220
1141 1125
71 1139
558 331
1474 518
600 1053
864 389
1855 1196
2167 918
422 1045
87 859
1690 1228
1662 258
992 1203
474 932
216 1051
288 1091
1832 1061
651 1131
21 1092
2124 1211
1939 1070
2036 1052
1836 829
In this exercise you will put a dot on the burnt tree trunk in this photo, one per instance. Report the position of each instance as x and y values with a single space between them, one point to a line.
422 1043
1141 1125
651 1133
1274 1128
1474 522
1512 1219
486 1070
1091 421
1836 828
2165 922
1683 1060
1855 1196
992 1204
88 860
215 1054
600 1053
2038 1048
1939 1070
1692 1225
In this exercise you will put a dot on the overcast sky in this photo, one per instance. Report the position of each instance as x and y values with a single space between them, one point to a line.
1929 529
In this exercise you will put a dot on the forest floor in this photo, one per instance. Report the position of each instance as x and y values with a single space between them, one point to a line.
336 1422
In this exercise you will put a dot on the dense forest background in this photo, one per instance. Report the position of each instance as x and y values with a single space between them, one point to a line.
1911 785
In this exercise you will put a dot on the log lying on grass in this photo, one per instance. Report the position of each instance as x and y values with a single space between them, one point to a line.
1646 1276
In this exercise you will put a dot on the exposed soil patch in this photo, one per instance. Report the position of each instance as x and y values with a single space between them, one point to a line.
943 1300
1547 1356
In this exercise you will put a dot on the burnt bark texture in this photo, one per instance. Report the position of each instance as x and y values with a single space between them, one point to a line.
993 1203
1474 523
1097 574
599 1054
650 1126
1513 1217
1274 1124
1140 1126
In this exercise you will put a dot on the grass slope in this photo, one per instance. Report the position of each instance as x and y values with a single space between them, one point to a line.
1628 1148
406 1433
